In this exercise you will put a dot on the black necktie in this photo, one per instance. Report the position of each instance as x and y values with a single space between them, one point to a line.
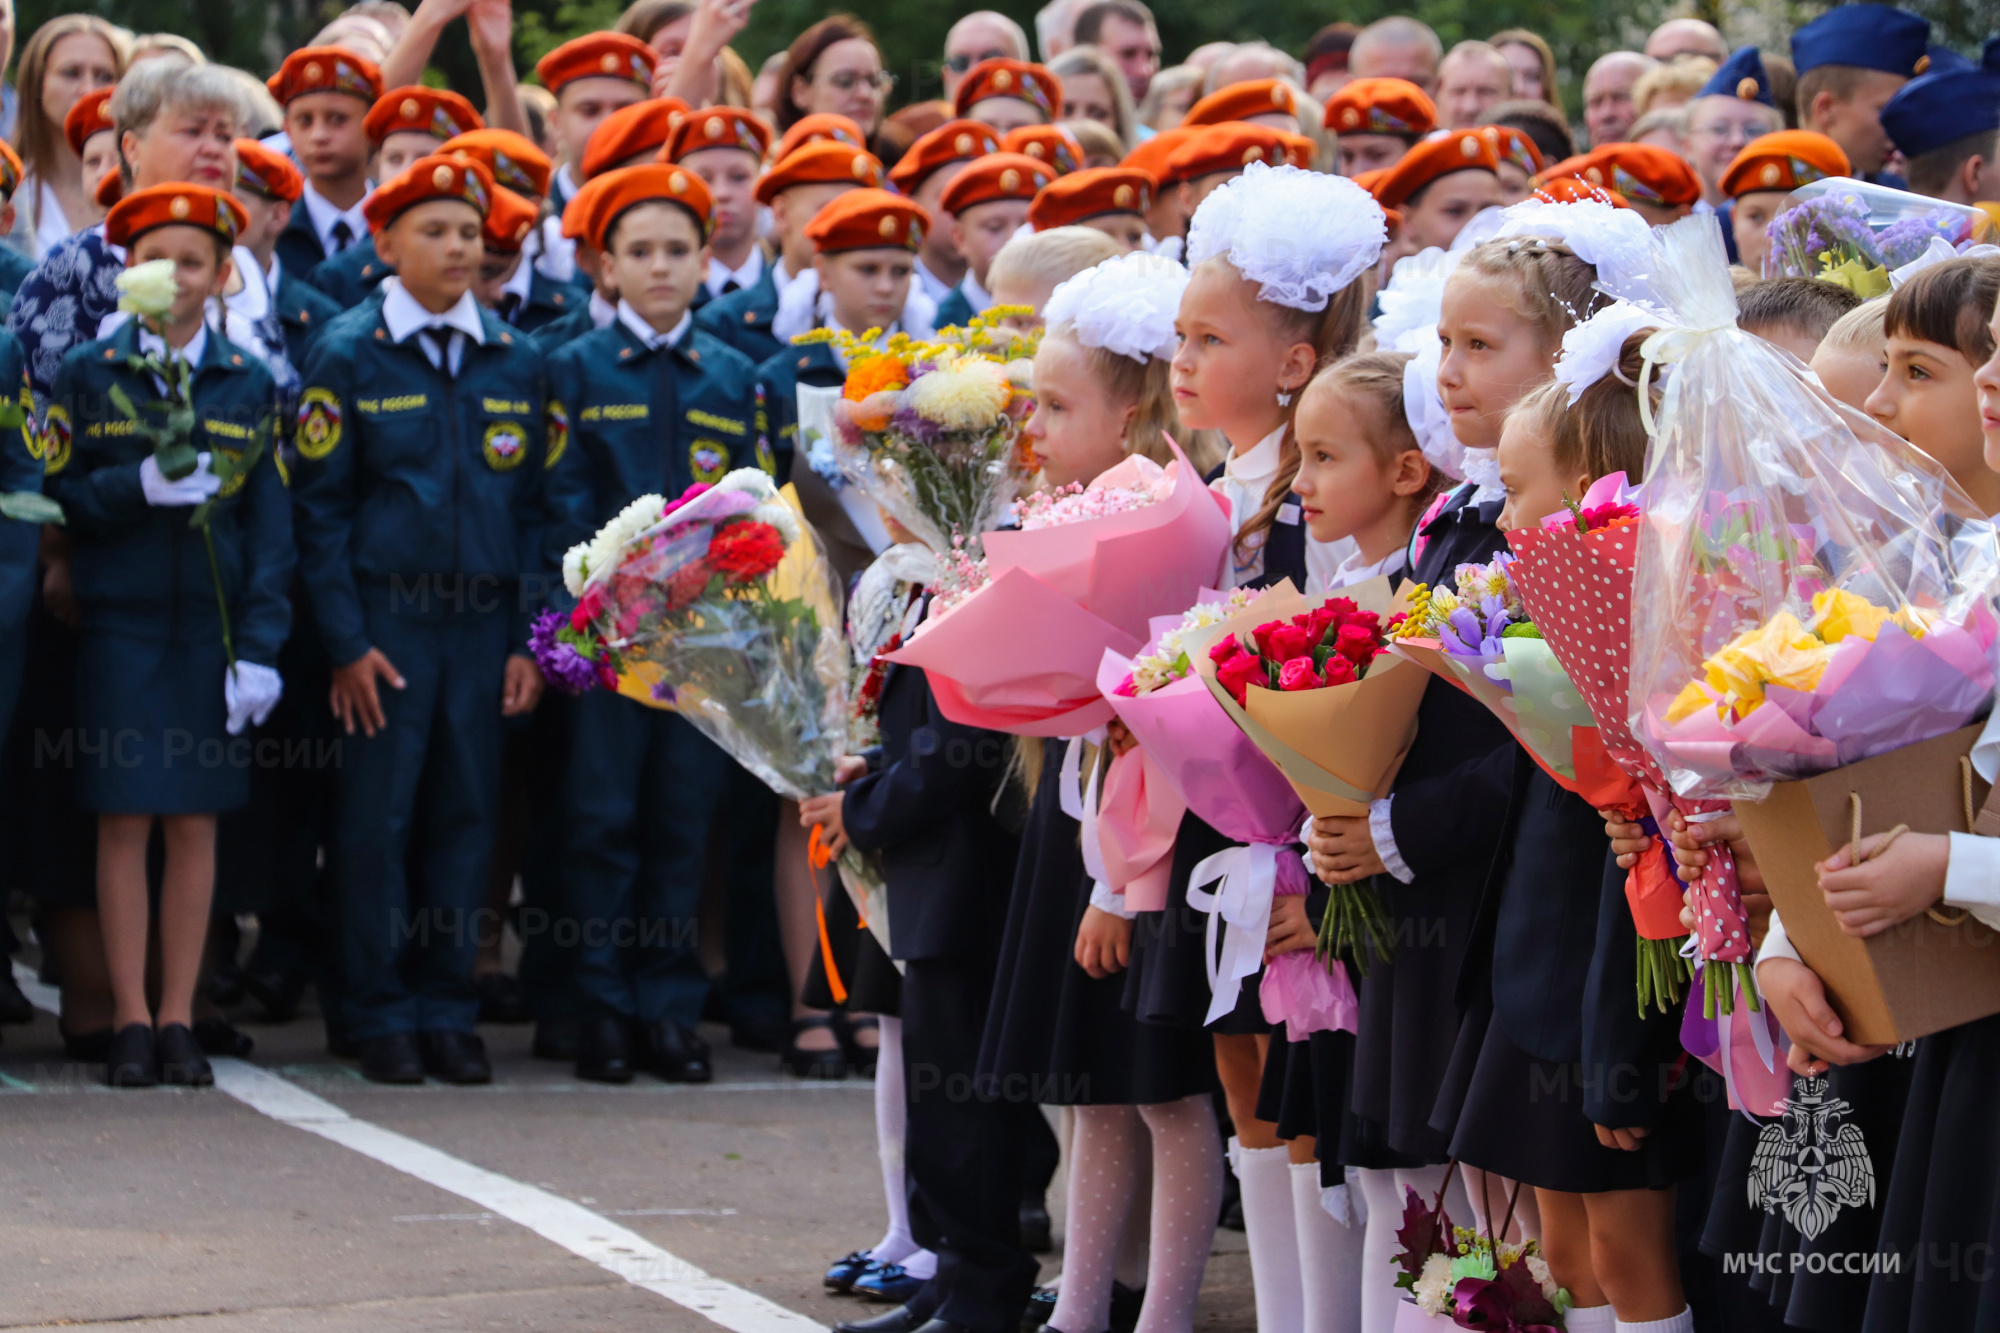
667 411
343 235
437 346
731 286
510 306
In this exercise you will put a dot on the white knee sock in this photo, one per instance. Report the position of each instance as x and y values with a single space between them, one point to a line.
1595 1319
1103 1175
891 1117
1187 1196
1680 1323
1329 1258
1266 1177
1384 1205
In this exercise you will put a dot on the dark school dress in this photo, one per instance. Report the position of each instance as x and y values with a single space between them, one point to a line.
151 660
1516 1099
1057 1035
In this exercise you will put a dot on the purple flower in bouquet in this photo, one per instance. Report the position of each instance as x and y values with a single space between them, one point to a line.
564 667
1473 634
1833 226
911 423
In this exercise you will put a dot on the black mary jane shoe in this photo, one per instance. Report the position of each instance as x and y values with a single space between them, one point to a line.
130 1060
813 1064
861 1058
1035 1314
840 1276
182 1064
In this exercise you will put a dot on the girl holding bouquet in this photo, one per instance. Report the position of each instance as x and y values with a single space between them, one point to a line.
1058 1031
1279 286
179 645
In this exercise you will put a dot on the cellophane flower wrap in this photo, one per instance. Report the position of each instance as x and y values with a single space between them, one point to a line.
721 605
1221 775
929 429
1810 590
1460 1278
1019 642
1856 234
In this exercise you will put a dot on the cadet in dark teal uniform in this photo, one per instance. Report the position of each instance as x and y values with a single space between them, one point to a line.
421 518
20 474
796 189
403 125
653 405
600 308
157 694
268 186
726 146
988 202
508 284
326 91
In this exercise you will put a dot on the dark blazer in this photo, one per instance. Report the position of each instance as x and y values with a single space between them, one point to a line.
350 276
302 310
299 246
14 269
926 807
954 309
743 319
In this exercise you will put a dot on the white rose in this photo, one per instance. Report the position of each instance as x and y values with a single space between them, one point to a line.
148 289
573 568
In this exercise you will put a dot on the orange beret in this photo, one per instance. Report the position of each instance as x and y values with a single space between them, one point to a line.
1577 190
1091 192
1462 150
1368 180
628 187
91 114
598 55
513 160
110 188
509 221
1381 106
1635 170
1018 79
639 130
717 127
577 213
1240 101
1300 149
1053 144
268 172
827 162
953 141
869 220
10 170
1510 145
1784 161
1230 146
435 177
1153 156
325 69
438 112
817 128
995 177
177 204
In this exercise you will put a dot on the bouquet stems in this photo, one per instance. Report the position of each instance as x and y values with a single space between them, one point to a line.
1355 917
1721 981
1663 974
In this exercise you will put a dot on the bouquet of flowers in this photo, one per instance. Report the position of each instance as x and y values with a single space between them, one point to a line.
1459 1278
1855 233
1018 644
1809 589
928 429
1224 779
721 605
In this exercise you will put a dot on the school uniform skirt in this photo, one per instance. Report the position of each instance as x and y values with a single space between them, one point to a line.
1168 978
151 710
1054 1034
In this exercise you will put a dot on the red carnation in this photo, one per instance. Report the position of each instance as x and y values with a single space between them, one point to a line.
587 610
1340 671
1298 674
687 583
746 551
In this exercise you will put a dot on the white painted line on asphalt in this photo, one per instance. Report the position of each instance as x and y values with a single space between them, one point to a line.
582 1232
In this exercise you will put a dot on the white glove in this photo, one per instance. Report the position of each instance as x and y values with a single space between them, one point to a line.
196 487
250 692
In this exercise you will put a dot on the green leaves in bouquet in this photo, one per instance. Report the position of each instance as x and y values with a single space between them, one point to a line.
30 507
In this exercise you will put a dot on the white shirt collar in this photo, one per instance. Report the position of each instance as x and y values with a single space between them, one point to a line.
522 282
720 274
152 344
566 182
253 299
405 316
602 312
1357 569
646 333
1256 465
975 292
781 279
274 276
324 215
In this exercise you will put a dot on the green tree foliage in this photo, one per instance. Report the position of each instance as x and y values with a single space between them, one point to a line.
231 31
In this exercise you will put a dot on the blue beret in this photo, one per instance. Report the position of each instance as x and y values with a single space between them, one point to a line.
1742 75
1938 109
1990 57
1944 60
1870 36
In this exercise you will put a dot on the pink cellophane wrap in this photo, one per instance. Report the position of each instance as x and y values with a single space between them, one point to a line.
1748 1049
1020 655
1138 816
1229 784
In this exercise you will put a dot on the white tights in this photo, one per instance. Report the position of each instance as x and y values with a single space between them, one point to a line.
891 1116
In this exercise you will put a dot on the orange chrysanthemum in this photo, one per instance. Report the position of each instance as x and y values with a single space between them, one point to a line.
874 374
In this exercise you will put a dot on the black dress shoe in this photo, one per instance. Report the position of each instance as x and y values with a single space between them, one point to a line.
182 1064
129 1059
604 1051
219 1036
278 991
556 1040
500 998
1041 1304
841 1274
903 1319
675 1053
1035 1237
455 1057
391 1059
16 1008
339 1045
813 1064
1125 1306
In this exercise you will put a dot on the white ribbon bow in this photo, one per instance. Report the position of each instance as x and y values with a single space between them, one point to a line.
1664 348
1249 878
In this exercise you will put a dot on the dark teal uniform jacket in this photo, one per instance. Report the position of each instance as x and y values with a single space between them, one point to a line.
151 661
302 310
20 470
809 363
14 268
351 276
299 245
954 311
743 318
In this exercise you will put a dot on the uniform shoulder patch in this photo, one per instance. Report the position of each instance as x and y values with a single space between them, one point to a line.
319 423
